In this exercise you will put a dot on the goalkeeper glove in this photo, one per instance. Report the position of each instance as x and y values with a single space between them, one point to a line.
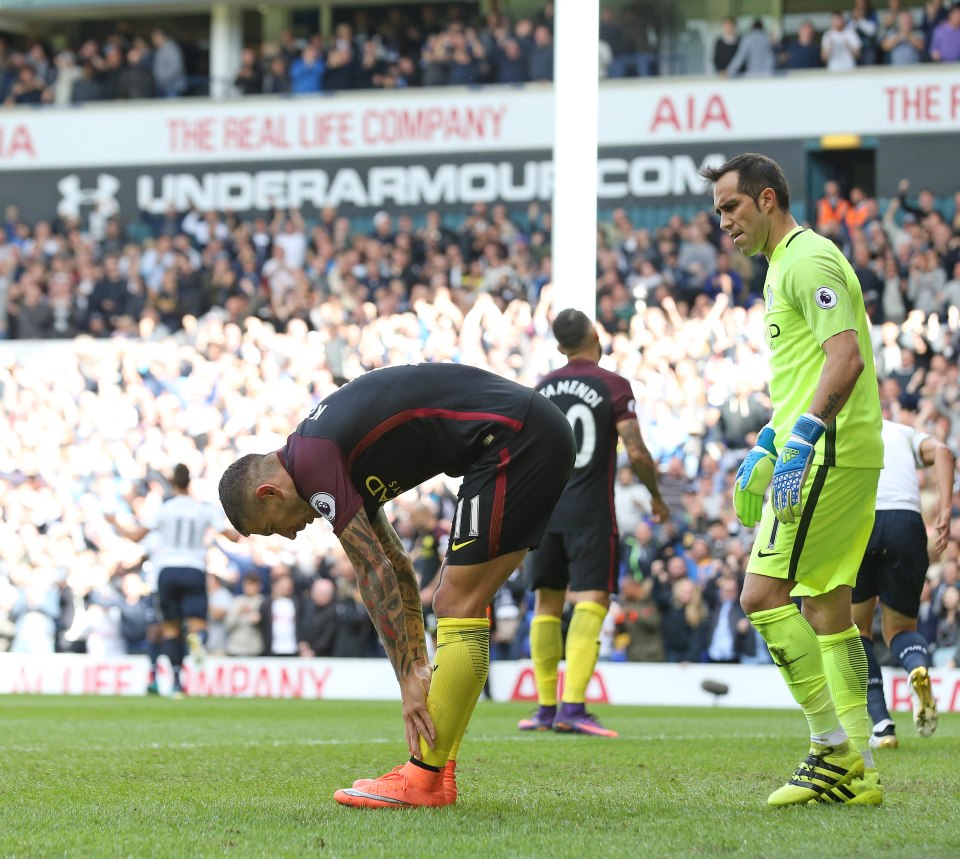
753 477
793 466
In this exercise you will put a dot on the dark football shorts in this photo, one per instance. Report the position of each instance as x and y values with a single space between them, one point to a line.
584 562
895 563
182 592
506 498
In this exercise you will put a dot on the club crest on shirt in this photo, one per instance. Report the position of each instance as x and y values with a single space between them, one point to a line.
826 297
324 504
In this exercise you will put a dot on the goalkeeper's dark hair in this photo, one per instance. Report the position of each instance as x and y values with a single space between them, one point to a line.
572 328
755 172
238 491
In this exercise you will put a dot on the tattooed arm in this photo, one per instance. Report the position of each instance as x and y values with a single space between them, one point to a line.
383 597
408 585
643 466
839 375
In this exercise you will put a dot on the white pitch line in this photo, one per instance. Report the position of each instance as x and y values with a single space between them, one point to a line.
155 746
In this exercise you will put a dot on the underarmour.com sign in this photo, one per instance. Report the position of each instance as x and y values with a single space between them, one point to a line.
73 197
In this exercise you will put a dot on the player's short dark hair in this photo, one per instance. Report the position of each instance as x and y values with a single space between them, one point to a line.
238 491
181 476
571 328
754 173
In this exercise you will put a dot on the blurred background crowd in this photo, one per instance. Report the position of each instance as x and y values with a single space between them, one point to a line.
450 44
136 344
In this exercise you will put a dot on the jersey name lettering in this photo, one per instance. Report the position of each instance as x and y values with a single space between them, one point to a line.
573 388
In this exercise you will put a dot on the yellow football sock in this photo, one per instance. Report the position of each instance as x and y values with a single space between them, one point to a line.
583 647
845 665
795 651
459 671
455 748
546 650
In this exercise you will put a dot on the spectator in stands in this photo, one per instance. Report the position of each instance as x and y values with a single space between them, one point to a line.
945 44
934 14
356 634
737 421
832 209
275 78
280 615
249 77
317 621
307 71
111 71
467 58
135 610
861 211
371 70
8 597
697 257
755 55
801 52
640 20
723 279
950 294
903 43
926 201
60 93
136 78
728 634
34 614
510 63
945 654
888 18
613 36
28 88
540 55
926 281
341 66
949 578
639 619
244 620
840 46
683 617
726 44
219 600
864 22
169 75
435 61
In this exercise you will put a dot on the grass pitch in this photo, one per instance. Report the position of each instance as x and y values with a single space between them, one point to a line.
91 777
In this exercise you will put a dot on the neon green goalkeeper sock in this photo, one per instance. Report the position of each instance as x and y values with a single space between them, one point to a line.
795 651
845 666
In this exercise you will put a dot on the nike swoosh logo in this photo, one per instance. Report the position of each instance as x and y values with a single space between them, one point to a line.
455 546
785 664
766 554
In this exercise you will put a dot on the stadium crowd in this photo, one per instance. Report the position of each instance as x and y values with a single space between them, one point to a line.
861 36
213 335
431 46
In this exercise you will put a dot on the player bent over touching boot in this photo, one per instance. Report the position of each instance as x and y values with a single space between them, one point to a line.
374 438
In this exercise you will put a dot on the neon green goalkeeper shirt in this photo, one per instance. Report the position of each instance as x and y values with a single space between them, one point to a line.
812 293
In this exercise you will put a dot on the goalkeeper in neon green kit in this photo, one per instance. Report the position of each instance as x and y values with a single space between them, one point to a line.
814 528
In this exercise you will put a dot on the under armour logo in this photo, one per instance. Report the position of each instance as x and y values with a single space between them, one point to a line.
72 196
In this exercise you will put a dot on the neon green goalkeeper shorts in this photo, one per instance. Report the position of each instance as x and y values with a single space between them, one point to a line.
824 547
